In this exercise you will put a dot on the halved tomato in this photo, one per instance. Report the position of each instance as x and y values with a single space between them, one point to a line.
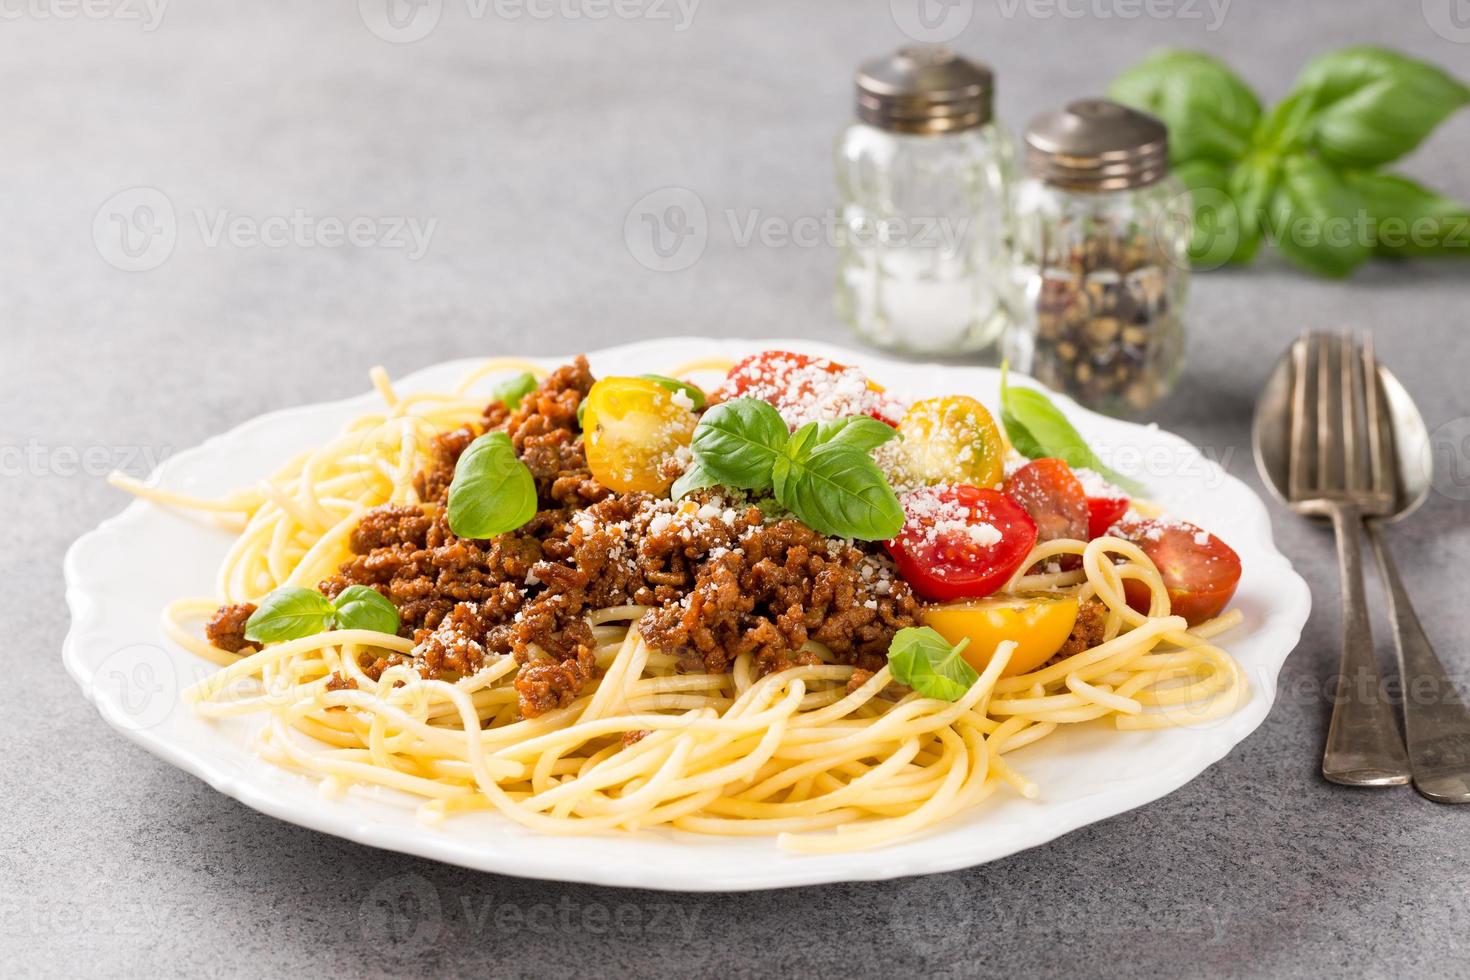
1038 625
1053 496
953 439
631 429
1199 570
961 542
1103 513
802 385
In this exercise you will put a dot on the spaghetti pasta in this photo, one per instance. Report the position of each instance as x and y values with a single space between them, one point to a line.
820 758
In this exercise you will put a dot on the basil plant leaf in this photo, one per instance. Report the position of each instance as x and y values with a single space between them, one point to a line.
360 607
1210 112
692 392
512 391
858 431
1038 429
1372 105
737 442
289 613
1215 235
838 490
1314 217
492 491
923 660
1408 219
696 477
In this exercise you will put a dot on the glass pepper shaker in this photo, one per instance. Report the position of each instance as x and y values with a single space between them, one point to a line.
1101 254
924 178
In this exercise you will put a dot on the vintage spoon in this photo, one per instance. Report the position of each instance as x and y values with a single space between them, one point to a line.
1438 733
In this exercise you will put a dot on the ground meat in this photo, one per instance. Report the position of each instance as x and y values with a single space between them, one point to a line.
786 585
226 628
1087 632
546 685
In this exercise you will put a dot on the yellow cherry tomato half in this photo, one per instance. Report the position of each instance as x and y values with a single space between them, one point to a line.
1039 625
952 439
632 428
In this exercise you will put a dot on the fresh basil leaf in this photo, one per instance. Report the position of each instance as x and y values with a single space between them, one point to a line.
581 411
858 431
1038 429
492 491
923 660
838 490
1410 220
1210 112
1215 236
1284 129
289 613
1372 105
512 391
360 607
737 441
1314 219
696 477
1251 184
674 384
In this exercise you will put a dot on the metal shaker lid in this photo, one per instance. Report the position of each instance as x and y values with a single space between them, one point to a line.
1097 145
925 90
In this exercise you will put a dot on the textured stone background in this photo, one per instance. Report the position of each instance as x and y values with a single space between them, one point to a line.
529 140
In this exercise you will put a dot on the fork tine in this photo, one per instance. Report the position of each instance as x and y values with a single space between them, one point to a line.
1329 419
1380 470
1298 475
1354 472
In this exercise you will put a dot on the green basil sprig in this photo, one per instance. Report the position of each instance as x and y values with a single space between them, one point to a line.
822 473
925 661
1038 429
291 612
1303 174
492 491
513 390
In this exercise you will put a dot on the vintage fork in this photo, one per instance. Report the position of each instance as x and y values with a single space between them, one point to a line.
1436 728
1329 476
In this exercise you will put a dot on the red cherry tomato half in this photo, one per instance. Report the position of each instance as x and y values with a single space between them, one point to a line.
1199 570
1103 513
1053 496
961 542
792 381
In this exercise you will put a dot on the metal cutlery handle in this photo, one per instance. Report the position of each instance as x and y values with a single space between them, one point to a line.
1436 722
1363 744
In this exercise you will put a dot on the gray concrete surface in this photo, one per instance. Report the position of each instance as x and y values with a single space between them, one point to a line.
528 140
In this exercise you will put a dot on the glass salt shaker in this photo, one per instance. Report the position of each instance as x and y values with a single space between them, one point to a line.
1101 235
924 178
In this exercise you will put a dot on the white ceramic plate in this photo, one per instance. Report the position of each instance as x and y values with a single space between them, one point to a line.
120 576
